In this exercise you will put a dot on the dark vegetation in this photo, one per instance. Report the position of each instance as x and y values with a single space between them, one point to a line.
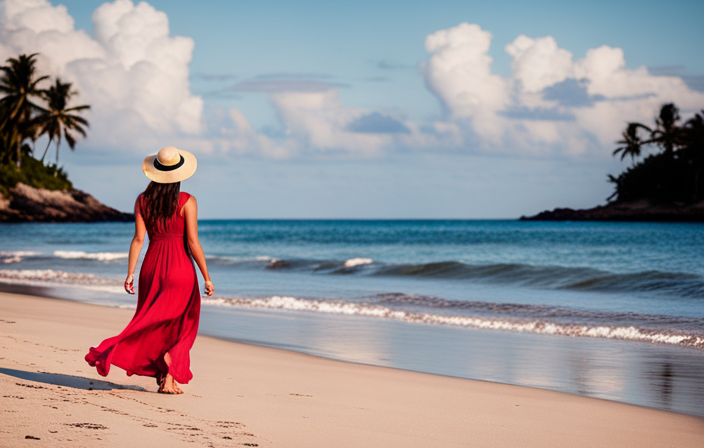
674 173
33 107
29 109
665 182
33 173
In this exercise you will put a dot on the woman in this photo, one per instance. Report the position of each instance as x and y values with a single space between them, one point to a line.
159 337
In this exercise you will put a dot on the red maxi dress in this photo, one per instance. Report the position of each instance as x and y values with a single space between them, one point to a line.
160 335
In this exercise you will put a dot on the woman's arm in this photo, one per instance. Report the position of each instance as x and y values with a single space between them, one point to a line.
190 210
135 247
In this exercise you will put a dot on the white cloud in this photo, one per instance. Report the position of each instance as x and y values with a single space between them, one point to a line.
538 63
242 138
318 121
550 103
135 75
459 73
132 73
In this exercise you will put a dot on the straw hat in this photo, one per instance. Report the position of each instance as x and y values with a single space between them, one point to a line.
169 165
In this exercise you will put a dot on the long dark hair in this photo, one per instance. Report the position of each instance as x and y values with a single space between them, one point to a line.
159 203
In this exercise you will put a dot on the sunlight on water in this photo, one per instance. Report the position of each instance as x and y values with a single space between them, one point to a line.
609 310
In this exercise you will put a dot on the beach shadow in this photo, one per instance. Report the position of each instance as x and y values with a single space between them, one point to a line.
76 382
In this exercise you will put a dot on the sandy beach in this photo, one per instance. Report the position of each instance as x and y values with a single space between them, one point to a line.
245 395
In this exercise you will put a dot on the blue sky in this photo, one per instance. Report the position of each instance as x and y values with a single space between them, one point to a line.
374 47
363 69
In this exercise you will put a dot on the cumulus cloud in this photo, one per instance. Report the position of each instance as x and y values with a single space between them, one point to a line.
131 71
459 73
135 75
551 103
539 63
317 120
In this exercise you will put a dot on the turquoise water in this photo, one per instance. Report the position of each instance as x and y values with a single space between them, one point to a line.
612 310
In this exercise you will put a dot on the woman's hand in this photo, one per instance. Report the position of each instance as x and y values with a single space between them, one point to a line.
209 288
129 284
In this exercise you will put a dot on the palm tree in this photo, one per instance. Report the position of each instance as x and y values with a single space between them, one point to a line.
667 134
692 141
58 120
673 174
631 141
694 130
666 131
9 137
19 84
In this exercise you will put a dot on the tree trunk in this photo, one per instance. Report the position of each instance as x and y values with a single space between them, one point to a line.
45 150
19 154
56 170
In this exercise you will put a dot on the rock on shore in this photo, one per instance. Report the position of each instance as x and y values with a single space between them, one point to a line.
28 204
626 211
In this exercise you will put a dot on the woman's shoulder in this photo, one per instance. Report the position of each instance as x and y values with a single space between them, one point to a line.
184 198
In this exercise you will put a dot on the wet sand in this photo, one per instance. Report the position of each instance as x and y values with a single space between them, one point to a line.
246 395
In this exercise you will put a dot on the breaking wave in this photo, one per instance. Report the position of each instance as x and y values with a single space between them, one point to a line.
419 309
514 274
688 339
549 277
101 256
533 311
16 256
51 278
352 262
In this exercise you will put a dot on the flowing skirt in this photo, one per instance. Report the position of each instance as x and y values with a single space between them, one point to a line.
160 335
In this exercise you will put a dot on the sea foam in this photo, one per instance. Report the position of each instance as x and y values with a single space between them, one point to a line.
352 262
16 256
531 326
101 256
51 278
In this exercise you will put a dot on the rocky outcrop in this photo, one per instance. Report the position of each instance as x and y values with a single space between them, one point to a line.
626 211
39 205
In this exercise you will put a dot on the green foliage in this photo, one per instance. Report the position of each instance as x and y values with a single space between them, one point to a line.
23 118
19 86
674 174
35 174
60 119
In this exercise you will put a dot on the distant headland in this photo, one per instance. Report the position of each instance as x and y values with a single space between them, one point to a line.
644 211
28 204
665 186
30 189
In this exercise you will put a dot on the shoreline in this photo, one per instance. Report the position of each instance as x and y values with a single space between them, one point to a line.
28 204
250 394
633 211
654 375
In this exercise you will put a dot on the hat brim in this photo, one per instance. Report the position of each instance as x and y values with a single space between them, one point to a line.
169 177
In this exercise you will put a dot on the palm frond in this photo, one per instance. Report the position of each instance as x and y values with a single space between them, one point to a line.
70 139
78 108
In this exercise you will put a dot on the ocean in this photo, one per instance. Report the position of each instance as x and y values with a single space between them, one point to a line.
608 310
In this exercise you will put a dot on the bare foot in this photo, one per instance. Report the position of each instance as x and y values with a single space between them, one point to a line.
160 379
169 386
178 389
